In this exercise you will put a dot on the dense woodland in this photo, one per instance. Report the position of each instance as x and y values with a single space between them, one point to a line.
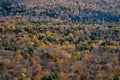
72 11
59 39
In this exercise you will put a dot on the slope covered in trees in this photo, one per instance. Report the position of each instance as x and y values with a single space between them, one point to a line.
84 11
59 40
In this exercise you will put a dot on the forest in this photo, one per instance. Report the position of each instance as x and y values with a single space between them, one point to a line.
59 40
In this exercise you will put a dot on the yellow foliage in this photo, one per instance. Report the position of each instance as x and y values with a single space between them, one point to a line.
15 78
63 75
87 56
87 51
33 61
24 70
100 41
36 57
67 42
64 47
70 46
21 38
64 53
12 28
101 74
116 70
70 34
28 79
34 38
88 75
38 68
53 56
18 56
37 11
37 76
68 55
58 20
45 51
23 75
0 40
29 25
47 43
18 16
106 28
77 77
49 33
76 53
74 25
115 59
85 42
93 45
110 47
42 44
97 59
28 55
109 65
22 30
41 34
31 43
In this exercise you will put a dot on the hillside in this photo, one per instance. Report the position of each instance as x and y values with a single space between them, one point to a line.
59 40
72 11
